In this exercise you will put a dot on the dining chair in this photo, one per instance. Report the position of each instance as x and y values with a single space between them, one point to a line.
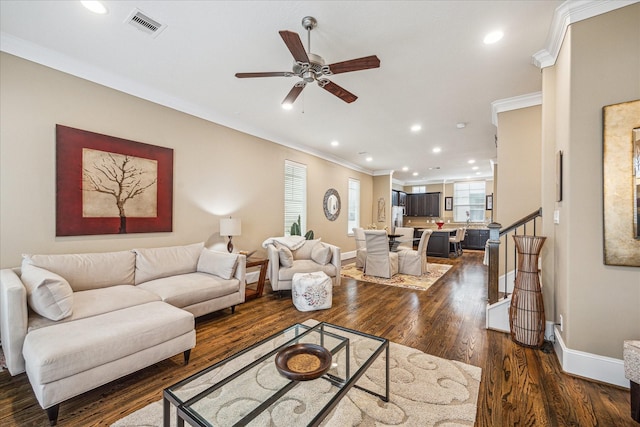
456 241
361 246
415 262
406 241
380 262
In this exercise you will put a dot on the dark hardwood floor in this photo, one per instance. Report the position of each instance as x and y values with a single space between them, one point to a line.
520 386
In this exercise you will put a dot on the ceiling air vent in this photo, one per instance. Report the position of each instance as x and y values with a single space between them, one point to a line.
144 23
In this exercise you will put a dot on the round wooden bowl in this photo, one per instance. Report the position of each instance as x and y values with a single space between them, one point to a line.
303 362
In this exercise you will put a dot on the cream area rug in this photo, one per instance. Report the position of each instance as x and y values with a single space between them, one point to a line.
422 283
424 391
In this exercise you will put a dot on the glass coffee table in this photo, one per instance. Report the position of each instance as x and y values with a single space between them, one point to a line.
247 388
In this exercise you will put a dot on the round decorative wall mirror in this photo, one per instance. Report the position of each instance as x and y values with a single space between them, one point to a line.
331 204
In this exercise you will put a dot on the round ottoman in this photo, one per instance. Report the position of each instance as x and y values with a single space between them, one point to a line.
311 291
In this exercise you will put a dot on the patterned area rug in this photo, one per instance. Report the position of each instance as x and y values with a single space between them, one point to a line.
424 391
422 283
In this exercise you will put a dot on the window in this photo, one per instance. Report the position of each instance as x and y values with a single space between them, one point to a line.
295 196
468 197
419 189
353 219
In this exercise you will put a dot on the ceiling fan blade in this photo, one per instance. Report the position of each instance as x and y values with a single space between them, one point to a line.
355 65
341 93
293 94
267 74
293 42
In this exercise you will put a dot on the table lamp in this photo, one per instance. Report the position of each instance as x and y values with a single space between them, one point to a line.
230 227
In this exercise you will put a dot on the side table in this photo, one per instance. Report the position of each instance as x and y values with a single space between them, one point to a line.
263 264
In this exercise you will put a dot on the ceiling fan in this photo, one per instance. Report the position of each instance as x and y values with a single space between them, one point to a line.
311 67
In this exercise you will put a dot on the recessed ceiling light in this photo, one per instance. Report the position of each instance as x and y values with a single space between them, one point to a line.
437 149
368 159
415 174
405 168
287 106
493 37
477 173
94 6
335 143
471 161
475 168
415 128
461 125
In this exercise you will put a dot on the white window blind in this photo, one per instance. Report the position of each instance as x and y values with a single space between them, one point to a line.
354 205
295 196
419 189
468 197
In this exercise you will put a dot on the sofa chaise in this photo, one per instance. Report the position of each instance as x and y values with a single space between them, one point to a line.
74 322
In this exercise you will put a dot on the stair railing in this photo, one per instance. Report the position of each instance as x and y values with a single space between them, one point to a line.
499 236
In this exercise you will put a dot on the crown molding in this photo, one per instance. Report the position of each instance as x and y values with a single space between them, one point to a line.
69 65
514 103
566 14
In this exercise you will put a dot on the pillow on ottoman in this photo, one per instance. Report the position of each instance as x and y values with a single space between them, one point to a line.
48 294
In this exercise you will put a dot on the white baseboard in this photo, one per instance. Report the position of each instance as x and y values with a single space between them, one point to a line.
588 365
497 316
347 255
252 276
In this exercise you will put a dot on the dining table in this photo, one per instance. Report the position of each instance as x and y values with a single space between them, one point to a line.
393 243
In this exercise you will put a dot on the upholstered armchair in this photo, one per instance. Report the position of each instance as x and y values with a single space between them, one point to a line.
406 240
361 247
631 355
415 262
380 262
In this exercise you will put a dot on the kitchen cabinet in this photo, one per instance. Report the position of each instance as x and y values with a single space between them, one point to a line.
423 204
438 245
398 198
475 239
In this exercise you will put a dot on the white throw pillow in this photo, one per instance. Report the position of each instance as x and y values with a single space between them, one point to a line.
321 254
221 264
154 263
304 252
48 294
286 257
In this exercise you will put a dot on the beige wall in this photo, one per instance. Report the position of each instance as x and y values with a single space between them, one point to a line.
217 171
519 151
381 191
598 65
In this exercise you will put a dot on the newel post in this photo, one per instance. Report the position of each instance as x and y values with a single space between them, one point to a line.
493 246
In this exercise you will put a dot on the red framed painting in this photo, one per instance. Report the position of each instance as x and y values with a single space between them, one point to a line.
109 185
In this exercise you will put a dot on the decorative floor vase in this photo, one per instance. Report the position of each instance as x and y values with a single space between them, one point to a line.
526 314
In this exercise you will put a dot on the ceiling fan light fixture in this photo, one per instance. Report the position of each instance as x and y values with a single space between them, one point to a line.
287 106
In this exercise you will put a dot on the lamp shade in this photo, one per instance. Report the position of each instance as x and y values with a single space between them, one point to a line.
230 226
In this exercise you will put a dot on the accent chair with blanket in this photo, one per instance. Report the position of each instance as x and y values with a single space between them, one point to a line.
289 255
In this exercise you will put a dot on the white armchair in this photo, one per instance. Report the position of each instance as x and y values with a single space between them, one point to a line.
380 261
312 256
361 247
415 262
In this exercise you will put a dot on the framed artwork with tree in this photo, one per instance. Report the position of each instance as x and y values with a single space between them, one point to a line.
109 185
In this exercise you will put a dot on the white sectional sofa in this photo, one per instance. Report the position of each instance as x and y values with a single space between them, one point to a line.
74 322
293 254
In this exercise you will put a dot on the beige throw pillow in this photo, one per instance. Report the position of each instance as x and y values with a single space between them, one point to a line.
286 257
48 294
221 264
304 252
321 254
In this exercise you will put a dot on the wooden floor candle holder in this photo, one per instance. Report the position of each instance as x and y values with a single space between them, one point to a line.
526 314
